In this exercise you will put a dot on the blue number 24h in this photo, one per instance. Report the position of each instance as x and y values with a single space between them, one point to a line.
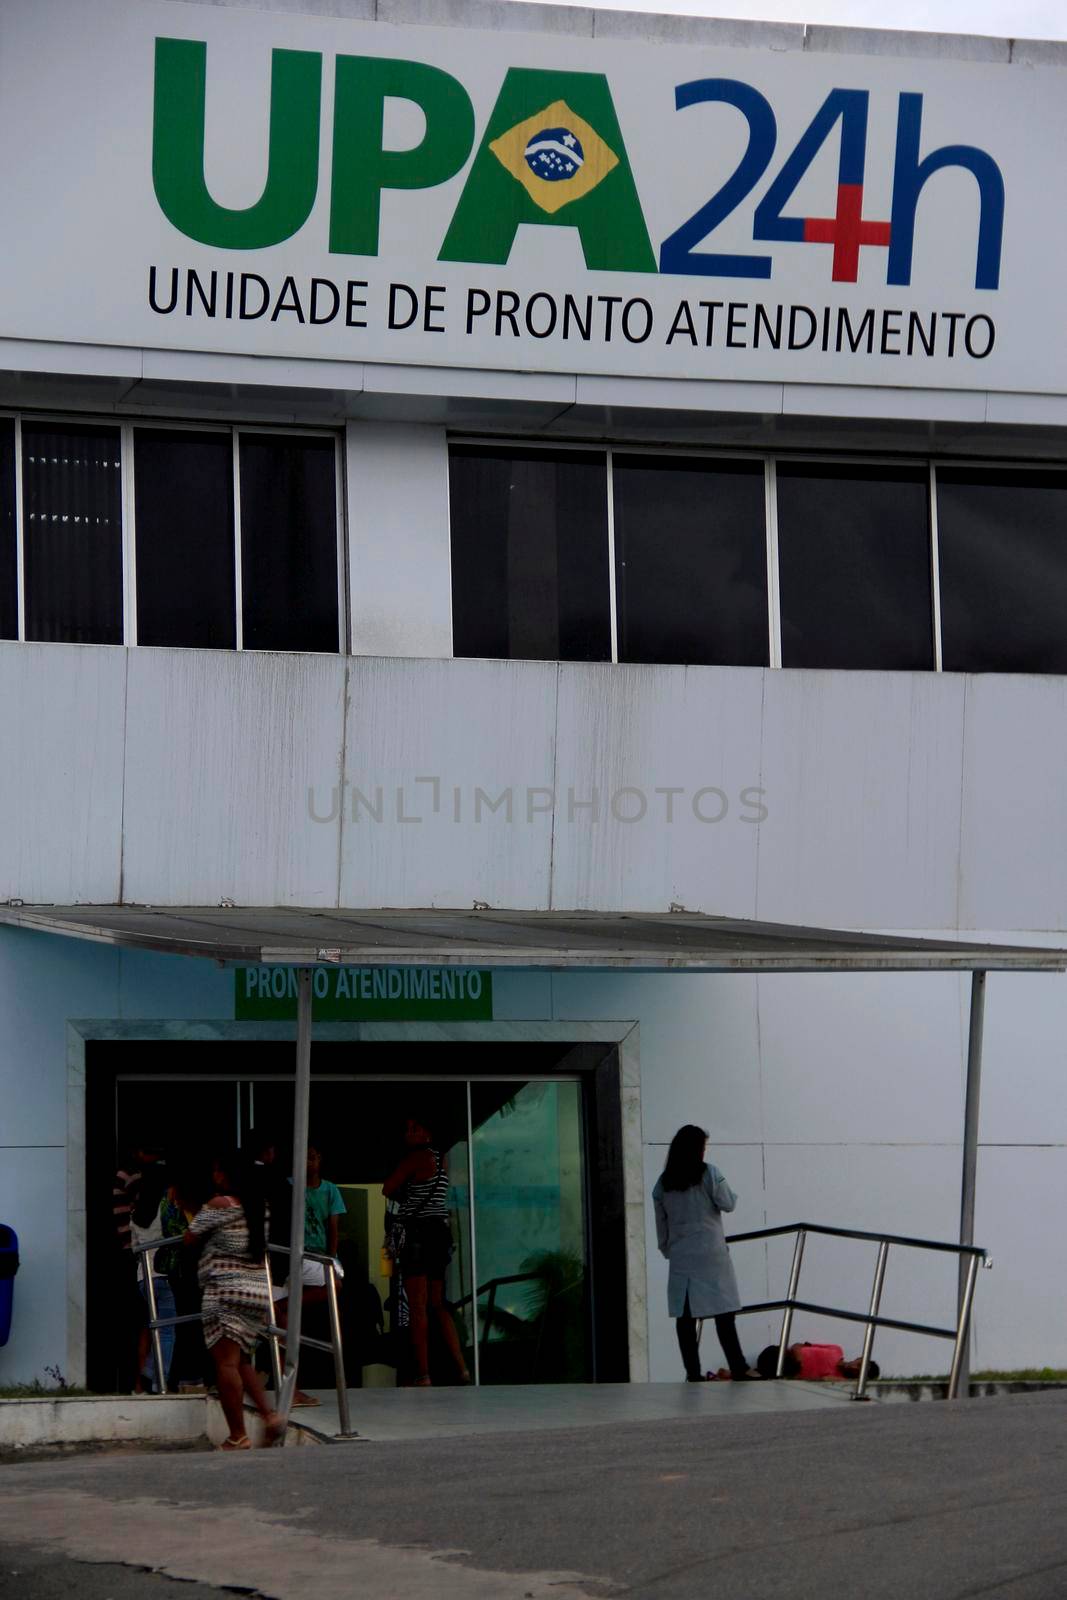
848 231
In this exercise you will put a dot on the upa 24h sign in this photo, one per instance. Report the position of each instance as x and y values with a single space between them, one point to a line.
301 186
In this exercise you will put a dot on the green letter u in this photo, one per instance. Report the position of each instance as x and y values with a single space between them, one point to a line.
178 148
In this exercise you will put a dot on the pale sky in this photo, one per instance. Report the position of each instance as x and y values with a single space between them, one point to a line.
1013 19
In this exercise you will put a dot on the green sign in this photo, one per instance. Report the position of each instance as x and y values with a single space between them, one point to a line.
347 994
553 141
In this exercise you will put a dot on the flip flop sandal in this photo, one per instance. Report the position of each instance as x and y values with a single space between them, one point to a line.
244 1443
305 1400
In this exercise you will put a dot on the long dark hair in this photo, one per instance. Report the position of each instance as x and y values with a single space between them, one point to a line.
685 1158
245 1184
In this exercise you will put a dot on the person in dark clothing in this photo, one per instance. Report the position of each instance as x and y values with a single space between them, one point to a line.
273 1173
419 1187
137 1181
192 1369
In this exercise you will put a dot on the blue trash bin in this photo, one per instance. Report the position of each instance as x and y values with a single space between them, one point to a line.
9 1265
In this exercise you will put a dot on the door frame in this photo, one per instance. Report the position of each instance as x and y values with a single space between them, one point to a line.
621 1038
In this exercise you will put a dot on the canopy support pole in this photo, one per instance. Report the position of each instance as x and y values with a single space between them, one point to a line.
300 1156
970 1166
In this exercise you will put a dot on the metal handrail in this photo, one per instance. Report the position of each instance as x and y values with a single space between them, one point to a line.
155 1322
276 1335
858 1233
871 1319
490 1286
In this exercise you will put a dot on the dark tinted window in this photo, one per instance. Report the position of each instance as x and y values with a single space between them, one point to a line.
530 555
854 565
9 599
72 530
690 561
289 543
185 553
1002 538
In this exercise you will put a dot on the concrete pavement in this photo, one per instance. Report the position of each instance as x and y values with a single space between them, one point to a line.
935 1501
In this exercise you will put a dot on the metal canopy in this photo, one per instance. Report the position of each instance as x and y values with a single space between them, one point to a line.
674 941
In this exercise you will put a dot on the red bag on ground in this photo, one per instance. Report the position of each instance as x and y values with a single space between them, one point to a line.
817 1360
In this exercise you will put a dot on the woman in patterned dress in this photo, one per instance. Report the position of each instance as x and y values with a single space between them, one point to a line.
231 1233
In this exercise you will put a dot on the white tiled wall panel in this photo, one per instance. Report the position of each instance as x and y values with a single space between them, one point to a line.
651 767
187 776
223 752
1012 811
423 738
862 773
62 715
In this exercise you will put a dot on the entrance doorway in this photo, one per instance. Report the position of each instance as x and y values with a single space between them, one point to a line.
530 1134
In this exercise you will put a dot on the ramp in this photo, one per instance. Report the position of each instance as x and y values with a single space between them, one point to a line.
393 1415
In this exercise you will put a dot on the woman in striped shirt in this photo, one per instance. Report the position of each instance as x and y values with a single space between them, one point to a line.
419 1186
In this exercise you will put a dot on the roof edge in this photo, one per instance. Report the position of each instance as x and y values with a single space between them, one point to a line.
246 936
609 22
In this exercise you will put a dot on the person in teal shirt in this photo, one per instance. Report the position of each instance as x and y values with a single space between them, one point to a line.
323 1206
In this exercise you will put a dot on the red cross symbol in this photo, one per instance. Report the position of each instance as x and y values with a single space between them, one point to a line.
846 232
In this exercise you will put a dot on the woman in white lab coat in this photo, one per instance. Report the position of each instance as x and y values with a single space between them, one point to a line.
690 1198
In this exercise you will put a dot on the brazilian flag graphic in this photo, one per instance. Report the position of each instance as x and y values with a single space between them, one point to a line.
553 153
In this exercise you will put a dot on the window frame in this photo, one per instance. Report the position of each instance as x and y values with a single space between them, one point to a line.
770 460
128 426
340 531
346 577
921 465
87 419
969 464
535 446
770 533
20 534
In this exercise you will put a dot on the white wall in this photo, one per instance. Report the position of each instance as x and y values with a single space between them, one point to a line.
43 982
39 988
894 801
901 802
401 578
62 716
839 1099
910 800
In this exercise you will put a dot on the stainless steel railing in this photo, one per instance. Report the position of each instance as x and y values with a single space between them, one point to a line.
872 1320
490 1287
275 1335
147 1268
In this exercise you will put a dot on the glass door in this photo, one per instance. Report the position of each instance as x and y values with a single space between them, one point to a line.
519 1281
525 1245
358 1126
530 1234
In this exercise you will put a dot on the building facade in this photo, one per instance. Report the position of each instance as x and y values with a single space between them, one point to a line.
548 459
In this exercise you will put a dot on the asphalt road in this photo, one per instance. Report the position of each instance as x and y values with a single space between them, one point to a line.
932 1501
